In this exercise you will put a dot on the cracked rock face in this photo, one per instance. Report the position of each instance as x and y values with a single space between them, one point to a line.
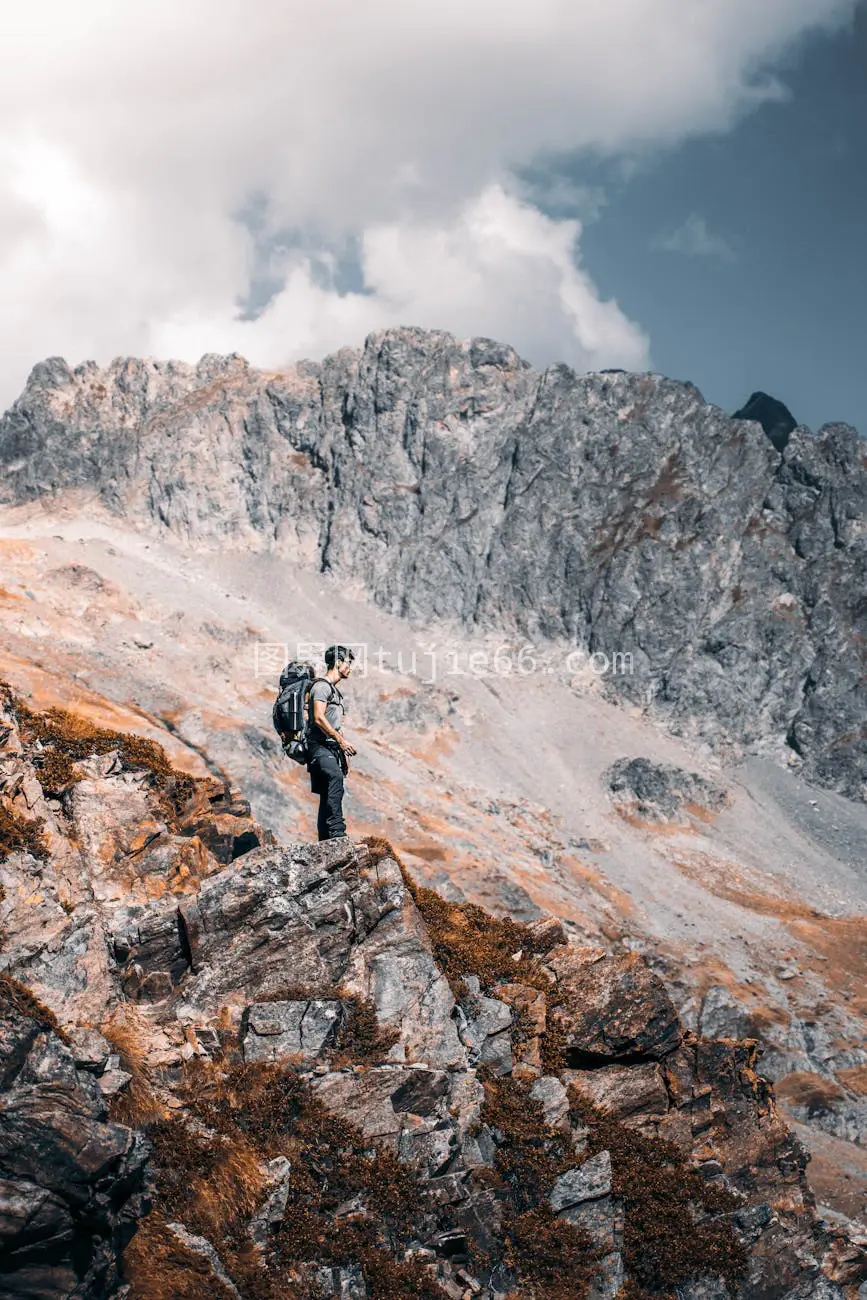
71 1182
617 511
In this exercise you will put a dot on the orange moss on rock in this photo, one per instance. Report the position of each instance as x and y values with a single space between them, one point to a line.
360 1038
553 1259
532 1154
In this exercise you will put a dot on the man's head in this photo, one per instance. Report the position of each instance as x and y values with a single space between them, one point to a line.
339 657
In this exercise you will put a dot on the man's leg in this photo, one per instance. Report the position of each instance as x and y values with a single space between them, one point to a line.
318 787
329 779
333 798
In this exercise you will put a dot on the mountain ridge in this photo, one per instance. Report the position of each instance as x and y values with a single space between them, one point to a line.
617 512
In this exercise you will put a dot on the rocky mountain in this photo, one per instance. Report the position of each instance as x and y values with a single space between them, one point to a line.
450 481
773 415
234 1068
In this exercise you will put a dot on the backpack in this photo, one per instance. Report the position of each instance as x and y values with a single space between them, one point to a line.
291 714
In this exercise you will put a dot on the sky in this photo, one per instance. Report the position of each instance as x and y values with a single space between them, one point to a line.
744 253
665 184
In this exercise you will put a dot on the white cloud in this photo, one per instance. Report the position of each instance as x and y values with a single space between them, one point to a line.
499 267
551 189
132 135
694 238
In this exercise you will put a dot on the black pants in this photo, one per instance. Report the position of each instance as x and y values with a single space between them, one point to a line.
326 780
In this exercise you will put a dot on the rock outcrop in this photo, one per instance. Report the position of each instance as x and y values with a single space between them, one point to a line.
658 792
291 1072
773 415
619 512
71 1182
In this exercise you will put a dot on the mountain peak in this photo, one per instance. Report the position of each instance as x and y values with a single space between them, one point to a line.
773 415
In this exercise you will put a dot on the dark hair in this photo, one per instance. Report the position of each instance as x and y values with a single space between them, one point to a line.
337 654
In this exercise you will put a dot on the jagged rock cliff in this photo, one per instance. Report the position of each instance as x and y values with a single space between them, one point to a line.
617 510
233 1069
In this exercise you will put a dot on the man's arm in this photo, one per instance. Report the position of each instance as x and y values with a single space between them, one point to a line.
325 726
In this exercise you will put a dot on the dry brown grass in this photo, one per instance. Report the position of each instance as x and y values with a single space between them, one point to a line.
360 1039
20 834
138 1104
17 998
56 740
842 941
553 1259
466 939
533 1154
665 1243
211 1183
160 1267
729 880
207 1175
811 1092
854 1079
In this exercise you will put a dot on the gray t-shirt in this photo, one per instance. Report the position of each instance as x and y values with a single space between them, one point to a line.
334 708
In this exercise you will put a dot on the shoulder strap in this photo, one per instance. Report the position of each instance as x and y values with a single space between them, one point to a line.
333 688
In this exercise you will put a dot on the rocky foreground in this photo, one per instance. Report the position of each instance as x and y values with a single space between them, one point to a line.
233 1068
619 512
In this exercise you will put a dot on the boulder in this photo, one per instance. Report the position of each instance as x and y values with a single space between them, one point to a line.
274 1030
660 792
392 964
610 1007
631 1092
551 1094
585 1183
529 1009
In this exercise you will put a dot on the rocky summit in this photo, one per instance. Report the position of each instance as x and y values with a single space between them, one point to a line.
237 1068
619 512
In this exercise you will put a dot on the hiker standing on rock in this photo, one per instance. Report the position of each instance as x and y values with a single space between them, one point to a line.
328 749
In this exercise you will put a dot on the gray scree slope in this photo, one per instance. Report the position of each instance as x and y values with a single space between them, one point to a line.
454 481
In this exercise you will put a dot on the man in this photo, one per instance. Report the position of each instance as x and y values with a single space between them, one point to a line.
328 748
